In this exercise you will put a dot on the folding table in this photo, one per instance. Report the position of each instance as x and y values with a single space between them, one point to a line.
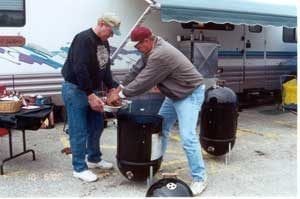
22 120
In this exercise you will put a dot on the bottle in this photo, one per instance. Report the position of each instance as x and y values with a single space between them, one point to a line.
192 37
31 99
180 38
39 100
2 89
24 102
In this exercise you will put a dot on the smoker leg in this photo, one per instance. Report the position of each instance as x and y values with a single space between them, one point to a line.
1 169
150 178
227 156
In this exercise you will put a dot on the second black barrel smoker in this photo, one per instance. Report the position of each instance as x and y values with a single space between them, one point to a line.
219 121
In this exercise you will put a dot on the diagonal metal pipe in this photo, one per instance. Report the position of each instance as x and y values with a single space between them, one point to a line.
152 5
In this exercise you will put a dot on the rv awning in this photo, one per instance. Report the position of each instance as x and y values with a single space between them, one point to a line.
251 12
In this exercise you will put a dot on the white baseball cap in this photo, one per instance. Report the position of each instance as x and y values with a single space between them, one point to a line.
113 21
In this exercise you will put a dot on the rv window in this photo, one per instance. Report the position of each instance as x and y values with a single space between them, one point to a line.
256 28
289 35
12 13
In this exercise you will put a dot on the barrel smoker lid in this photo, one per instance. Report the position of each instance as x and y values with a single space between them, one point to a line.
169 187
220 94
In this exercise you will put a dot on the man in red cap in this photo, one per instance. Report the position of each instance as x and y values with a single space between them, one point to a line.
164 66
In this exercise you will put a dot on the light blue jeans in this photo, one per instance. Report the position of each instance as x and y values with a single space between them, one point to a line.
85 127
186 111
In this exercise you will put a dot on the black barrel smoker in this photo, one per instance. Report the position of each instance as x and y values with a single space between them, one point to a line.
139 153
218 120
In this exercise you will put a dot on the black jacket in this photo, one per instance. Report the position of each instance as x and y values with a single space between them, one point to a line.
88 63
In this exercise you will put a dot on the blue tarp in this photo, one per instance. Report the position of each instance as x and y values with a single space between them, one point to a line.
250 12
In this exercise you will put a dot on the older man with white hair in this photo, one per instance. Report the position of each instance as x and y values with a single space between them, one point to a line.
86 68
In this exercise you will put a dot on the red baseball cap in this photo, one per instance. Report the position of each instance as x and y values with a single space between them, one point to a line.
139 34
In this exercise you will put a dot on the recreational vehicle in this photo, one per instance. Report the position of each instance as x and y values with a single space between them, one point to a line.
251 43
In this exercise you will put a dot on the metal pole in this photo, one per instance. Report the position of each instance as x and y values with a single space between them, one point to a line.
192 45
267 83
124 42
227 156
151 174
244 53
24 140
150 1
10 143
150 178
13 79
152 4
229 151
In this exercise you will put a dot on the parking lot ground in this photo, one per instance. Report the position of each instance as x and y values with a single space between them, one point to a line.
263 162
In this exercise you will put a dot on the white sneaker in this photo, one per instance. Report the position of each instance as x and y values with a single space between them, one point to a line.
198 187
102 165
85 175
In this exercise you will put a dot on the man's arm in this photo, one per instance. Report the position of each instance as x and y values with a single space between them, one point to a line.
133 72
150 76
108 79
80 66
95 102
153 73
81 59
130 76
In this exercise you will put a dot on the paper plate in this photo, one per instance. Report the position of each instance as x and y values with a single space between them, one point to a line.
114 109
30 107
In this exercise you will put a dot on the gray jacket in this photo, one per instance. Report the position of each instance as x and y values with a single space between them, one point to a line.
165 67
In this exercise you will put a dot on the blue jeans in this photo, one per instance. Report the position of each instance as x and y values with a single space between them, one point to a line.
186 111
85 127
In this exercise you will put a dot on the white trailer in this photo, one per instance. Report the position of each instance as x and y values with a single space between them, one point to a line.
35 36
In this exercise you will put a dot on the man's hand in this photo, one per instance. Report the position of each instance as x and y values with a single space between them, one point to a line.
116 90
154 90
95 103
113 98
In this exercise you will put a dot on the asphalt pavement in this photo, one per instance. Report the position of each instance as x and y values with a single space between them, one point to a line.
263 162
